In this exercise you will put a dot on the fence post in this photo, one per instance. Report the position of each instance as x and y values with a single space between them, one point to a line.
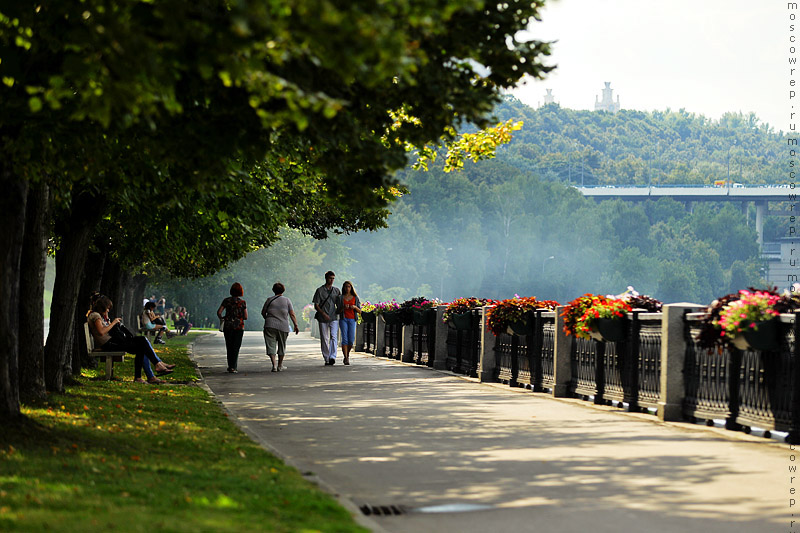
673 357
359 347
562 355
440 342
407 344
380 336
487 361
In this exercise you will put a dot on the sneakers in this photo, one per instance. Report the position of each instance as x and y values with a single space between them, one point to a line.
159 341
232 371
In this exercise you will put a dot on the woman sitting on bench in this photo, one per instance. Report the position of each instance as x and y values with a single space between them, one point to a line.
101 326
152 322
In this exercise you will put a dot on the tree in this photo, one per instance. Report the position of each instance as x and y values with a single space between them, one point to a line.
175 96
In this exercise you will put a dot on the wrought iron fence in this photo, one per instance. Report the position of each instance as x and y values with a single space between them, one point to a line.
707 375
422 342
768 395
393 340
368 337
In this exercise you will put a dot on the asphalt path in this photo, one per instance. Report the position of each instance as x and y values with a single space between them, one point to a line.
455 454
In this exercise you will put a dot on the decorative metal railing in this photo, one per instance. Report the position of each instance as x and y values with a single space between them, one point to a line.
745 387
368 337
423 344
464 347
707 375
505 358
393 341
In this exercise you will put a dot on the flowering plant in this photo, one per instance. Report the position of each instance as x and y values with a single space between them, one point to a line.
639 301
419 303
744 313
422 303
384 307
581 314
734 314
369 309
463 305
514 309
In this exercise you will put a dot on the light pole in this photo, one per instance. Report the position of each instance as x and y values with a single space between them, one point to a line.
546 259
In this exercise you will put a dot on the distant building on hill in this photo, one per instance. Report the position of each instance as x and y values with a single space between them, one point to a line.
549 98
607 103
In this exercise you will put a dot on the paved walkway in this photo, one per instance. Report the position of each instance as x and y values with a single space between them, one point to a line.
379 432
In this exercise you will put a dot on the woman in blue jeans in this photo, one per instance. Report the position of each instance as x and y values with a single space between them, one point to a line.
349 305
100 326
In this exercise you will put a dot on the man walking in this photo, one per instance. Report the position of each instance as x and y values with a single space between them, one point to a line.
325 301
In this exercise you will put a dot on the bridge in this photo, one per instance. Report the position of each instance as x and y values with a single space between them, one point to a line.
758 194
693 193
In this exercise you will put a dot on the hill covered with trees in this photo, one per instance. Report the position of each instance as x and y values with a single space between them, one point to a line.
515 225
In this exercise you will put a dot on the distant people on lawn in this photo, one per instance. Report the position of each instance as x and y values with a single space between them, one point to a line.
326 299
277 311
233 324
348 306
110 336
180 318
151 321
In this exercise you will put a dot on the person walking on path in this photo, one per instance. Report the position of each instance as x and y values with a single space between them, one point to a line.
233 324
325 303
277 311
349 305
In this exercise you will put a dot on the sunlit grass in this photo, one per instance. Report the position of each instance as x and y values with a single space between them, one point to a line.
131 457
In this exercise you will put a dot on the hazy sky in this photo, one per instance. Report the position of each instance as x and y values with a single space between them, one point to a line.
707 56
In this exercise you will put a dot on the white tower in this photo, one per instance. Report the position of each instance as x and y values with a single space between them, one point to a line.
607 103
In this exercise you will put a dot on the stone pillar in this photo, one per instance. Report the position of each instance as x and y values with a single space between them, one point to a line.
562 367
359 346
487 362
440 357
380 336
407 347
673 355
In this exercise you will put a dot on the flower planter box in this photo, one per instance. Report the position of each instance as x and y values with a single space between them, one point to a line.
392 317
424 317
610 330
368 317
462 321
765 337
521 327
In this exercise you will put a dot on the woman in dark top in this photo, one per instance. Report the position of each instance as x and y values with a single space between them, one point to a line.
235 314
100 327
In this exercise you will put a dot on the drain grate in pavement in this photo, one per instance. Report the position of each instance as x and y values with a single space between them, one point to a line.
383 510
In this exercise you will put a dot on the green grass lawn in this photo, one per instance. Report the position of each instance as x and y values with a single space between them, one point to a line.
122 456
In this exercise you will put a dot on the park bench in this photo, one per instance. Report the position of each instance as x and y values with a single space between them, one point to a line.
109 357
143 330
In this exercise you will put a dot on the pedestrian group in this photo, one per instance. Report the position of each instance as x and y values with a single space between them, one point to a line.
336 313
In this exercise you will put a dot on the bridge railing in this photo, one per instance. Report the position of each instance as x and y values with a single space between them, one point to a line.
657 367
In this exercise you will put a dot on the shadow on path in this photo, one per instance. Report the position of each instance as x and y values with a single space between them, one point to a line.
381 433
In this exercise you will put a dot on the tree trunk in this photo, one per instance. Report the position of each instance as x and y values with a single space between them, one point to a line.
12 204
90 282
31 316
70 261
136 287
